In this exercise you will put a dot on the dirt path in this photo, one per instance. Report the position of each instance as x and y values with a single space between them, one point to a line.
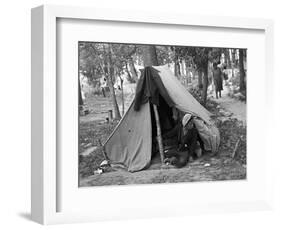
235 107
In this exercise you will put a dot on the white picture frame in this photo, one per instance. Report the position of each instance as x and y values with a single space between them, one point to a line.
45 180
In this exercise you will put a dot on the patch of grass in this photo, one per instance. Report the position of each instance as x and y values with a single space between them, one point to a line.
91 132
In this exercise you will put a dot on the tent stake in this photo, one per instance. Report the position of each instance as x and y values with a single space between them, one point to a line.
159 135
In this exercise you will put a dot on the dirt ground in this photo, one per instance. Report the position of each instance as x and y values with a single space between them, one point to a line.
204 169
234 106
230 116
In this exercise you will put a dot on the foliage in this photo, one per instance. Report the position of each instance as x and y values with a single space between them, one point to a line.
165 55
94 56
199 55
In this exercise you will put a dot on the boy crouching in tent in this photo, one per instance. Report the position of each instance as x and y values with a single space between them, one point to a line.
185 136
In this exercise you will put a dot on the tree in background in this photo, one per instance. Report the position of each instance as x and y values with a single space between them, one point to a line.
125 55
177 70
149 55
111 61
164 55
114 61
200 57
96 61
109 73
242 85
227 60
80 93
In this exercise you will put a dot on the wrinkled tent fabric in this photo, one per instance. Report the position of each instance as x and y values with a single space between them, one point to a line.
182 99
149 87
209 134
130 143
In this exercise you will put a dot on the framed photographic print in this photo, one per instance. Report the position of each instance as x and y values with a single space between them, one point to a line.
132 110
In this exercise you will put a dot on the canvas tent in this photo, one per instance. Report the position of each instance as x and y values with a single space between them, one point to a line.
130 143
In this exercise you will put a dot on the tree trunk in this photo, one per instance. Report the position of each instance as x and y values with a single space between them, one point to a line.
80 93
177 64
133 70
149 55
122 96
200 82
176 72
183 68
242 85
227 58
193 71
130 79
150 59
205 84
110 75
187 73
233 59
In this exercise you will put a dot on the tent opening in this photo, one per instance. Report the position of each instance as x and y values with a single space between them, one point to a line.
166 122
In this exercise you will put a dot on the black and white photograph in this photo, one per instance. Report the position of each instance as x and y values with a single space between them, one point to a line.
151 114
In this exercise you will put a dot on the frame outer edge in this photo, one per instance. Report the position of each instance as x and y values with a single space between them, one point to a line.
270 102
161 17
37 163
43 50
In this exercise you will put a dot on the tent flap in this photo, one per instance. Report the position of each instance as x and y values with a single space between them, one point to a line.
182 99
130 143
149 87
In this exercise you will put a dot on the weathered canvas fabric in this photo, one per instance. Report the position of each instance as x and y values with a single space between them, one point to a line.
149 88
130 143
182 99
209 134
185 102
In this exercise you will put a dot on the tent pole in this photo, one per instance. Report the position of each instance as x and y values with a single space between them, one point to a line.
159 135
